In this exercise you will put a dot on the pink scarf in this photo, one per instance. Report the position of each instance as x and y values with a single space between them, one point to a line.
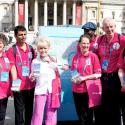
56 89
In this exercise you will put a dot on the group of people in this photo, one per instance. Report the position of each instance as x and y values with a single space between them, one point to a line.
15 65
32 79
97 70
106 53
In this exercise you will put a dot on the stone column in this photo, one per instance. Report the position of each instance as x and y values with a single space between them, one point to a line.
45 13
64 12
55 12
74 13
26 14
16 13
36 16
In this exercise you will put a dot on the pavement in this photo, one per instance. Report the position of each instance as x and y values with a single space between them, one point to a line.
10 116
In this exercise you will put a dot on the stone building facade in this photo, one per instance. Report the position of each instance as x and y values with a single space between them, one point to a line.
34 13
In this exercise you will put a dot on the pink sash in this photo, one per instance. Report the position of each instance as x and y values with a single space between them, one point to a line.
56 91
56 88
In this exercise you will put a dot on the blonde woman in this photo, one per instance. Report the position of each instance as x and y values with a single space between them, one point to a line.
47 89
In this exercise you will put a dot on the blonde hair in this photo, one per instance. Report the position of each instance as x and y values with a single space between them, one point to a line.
3 38
43 40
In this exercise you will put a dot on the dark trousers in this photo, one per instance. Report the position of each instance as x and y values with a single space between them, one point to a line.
86 114
123 106
111 99
3 106
23 102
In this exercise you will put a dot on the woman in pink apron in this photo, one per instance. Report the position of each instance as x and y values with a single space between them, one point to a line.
85 71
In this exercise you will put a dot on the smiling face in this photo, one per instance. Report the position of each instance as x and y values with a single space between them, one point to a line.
21 36
43 48
84 44
109 27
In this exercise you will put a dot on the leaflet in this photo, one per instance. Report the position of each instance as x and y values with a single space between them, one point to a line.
16 85
36 69
74 74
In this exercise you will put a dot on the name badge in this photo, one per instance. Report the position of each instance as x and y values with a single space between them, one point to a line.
4 76
25 71
105 64
36 69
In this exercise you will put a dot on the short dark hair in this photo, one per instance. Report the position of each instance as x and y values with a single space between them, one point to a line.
19 28
3 38
82 36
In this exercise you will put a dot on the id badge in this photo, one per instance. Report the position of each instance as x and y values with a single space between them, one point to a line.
105 64
74 74
4 76
36 69
25 71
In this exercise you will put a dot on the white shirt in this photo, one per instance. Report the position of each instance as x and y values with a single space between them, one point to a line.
44 79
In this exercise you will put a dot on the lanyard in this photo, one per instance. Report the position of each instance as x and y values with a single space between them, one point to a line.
110 50
21 57
5 63
84 67
95 44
